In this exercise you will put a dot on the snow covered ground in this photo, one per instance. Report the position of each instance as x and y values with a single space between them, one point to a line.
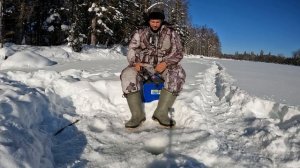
276 82
230 113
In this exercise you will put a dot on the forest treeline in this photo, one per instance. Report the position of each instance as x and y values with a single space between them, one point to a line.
262 57
107 22
97 22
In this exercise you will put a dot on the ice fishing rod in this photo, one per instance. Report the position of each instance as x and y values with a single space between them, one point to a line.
148 70
60 130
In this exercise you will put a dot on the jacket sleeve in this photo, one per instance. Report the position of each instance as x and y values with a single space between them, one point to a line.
176 53
134 49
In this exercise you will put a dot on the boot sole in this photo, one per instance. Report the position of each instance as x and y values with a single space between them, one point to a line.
157 120
137 125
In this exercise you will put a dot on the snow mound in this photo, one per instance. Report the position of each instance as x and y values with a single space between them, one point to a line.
6 52
54 52
156 145
29 120
22 112
272 127
26 59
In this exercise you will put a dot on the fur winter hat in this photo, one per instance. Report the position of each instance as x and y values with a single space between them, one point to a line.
156 13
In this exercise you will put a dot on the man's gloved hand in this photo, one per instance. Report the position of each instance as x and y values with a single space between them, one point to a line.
161 67
138 66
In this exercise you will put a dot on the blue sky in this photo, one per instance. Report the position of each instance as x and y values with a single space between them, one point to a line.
251 25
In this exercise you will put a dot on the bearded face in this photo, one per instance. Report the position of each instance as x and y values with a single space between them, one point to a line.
155 24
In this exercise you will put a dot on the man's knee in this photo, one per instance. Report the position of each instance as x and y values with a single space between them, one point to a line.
176 72
175 79
129 80
128 73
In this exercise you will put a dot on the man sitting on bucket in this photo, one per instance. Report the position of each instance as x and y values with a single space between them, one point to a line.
158 49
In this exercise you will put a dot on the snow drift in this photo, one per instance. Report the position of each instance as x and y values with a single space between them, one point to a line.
26 59
23 111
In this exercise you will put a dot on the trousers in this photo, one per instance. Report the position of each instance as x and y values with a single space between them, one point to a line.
173 76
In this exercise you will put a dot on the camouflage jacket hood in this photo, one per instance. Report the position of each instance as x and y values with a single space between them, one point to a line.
153 48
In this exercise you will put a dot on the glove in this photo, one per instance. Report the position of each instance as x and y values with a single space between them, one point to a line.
161 67
138 66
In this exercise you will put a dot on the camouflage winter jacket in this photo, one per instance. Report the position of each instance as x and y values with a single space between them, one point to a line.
153 48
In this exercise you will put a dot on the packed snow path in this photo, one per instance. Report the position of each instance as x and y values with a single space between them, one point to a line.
218 124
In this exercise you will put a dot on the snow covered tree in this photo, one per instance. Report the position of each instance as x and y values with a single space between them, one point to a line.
75 39
7 21
203 41
23 21
144 4
179 18
134 17
105 18
141 15
77 33
52 25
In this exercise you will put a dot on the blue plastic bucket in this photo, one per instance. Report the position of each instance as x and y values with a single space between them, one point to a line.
151 91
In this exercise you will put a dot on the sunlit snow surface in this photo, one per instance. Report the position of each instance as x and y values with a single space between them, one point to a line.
230 113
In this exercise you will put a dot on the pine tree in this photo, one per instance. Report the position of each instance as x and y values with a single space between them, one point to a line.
75 39
176 15
10 19
32 26
133 19
77 33
21 22
52 25
105 19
